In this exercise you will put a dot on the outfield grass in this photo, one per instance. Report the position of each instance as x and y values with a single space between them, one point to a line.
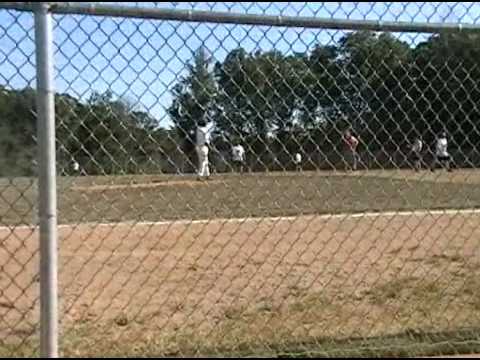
150 198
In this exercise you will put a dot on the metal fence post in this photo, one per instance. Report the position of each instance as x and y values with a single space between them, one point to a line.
46 182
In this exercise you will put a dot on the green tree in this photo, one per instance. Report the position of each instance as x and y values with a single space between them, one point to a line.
378 69
447 87
17 132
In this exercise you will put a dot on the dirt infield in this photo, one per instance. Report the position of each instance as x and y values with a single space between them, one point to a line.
155 184
309 276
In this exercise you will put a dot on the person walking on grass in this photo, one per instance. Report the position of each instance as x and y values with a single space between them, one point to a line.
202 148
238 155
298 162
416 153
442 155
352 144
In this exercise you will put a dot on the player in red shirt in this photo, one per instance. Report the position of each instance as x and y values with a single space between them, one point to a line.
352 143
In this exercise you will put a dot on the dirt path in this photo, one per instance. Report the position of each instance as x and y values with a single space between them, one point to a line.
191 183
175 275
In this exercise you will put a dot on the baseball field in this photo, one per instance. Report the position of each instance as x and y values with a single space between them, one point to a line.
375 262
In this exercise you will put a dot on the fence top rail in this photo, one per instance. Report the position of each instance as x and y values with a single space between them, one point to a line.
242 19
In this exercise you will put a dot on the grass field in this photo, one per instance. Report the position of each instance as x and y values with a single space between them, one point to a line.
160 198
266 270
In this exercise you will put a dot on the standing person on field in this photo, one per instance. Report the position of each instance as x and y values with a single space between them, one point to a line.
238 154
352 143
75 166
417 148
202 148
441 153
298 161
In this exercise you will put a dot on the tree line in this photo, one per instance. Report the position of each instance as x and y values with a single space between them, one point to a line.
276 104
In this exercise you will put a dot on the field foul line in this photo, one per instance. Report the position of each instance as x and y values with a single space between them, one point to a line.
262 219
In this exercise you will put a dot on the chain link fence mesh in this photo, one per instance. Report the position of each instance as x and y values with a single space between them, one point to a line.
19 290
332 237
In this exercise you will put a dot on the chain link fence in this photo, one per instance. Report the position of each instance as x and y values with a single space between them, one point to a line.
341 213
19 248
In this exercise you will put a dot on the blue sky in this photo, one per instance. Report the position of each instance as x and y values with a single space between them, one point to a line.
142 59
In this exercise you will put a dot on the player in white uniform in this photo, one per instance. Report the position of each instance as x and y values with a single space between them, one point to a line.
202 144
441 153
298 161
75 166
238 155
417 148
